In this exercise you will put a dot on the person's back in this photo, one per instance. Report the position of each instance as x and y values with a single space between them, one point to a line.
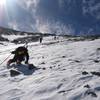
20 51
20 54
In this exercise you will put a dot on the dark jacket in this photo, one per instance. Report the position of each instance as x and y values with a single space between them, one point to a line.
20 53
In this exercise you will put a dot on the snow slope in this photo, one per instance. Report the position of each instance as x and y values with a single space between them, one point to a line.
62 79
12 37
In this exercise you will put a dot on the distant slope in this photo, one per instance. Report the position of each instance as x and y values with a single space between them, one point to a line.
17 36
8 31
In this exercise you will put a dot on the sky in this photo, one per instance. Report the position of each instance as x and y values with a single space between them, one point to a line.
51 16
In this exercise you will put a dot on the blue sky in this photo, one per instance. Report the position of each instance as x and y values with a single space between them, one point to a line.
53 16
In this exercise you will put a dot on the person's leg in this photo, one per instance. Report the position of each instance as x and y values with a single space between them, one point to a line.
19 59
10 61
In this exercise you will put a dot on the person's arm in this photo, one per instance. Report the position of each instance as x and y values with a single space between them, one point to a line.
13 52
27 58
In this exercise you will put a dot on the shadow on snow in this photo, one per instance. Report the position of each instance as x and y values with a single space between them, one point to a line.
24 69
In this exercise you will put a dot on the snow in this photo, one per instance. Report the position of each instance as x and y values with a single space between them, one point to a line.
62 79
12 37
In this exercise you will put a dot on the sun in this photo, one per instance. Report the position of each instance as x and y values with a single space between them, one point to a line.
2 2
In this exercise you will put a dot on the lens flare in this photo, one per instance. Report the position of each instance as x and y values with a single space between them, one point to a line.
2 11
2 2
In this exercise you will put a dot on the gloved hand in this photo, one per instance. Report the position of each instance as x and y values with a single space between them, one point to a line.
26 62
13 52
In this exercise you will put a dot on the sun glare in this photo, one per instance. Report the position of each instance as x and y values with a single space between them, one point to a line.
2 2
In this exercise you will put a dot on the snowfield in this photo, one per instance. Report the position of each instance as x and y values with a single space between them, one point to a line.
66 74
9 37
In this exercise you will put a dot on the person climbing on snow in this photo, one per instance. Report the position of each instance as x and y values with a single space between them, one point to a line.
41 38
20 54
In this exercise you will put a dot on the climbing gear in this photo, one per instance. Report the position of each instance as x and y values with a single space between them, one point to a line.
5 60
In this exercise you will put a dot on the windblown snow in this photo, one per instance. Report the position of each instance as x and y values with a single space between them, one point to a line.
66 74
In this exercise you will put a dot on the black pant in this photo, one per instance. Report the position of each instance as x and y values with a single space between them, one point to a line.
16 58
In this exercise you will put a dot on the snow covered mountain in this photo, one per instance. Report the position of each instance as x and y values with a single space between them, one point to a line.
70 71
14 36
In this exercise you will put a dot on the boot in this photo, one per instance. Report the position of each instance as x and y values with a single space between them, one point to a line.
8 63
18 62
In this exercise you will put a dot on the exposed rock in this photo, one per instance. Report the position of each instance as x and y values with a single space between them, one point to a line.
84 73
14 73
87 86
96 73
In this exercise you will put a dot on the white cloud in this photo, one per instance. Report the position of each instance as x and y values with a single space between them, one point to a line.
53 27
61 3
29 4
42 26
13 25
25 21
92 8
